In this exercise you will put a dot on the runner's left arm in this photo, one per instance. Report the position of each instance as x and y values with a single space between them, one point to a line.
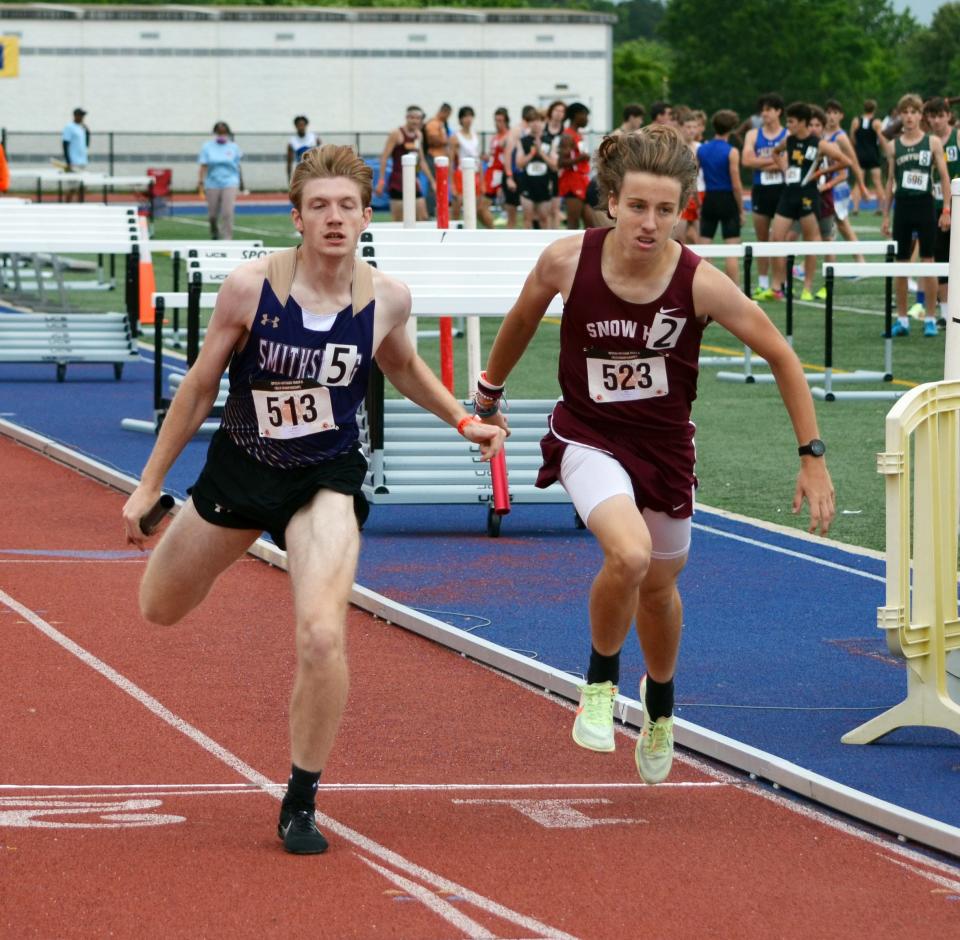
413 378
714 294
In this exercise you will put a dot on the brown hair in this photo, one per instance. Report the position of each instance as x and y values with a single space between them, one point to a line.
725 121
656 148
910 101
328 162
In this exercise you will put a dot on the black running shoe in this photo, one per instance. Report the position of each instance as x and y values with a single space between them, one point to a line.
298 830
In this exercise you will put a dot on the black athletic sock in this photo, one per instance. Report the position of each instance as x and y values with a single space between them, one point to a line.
603 668
659 699
301 789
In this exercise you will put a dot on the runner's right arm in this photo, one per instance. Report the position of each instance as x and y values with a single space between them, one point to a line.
191 405
552 275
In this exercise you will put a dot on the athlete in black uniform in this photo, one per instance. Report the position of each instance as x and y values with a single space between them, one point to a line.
799 200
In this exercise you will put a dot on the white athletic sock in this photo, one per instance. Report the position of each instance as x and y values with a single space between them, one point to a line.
943 309
904 321
764 280
930 320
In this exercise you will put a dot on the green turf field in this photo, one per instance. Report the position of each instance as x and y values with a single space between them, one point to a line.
747 459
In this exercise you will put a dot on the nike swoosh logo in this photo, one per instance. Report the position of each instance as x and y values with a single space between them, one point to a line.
668 309
675 508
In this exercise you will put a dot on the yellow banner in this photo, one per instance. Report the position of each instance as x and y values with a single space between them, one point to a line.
9 56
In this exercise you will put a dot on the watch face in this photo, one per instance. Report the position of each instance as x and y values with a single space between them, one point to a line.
817 448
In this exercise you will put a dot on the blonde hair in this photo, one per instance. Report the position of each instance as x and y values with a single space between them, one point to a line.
328 162
656 148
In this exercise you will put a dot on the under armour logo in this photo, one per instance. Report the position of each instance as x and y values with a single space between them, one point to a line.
266 321
217 507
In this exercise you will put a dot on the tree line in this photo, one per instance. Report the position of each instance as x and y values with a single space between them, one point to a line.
713 54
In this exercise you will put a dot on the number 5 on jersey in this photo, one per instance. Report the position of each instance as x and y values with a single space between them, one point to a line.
339 365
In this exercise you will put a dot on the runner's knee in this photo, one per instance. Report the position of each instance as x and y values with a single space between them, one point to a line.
629 561
318 643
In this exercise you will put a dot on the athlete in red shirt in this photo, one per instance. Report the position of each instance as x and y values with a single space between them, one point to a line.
620 442
573 161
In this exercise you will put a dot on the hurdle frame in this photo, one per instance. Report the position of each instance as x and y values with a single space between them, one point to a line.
888 270
793 250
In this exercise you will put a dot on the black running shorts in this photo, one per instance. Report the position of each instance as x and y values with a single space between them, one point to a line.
238 492
719 208
913 217
764 199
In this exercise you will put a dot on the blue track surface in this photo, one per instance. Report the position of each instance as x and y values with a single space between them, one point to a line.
780 650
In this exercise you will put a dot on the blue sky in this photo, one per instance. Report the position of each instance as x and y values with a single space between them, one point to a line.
922 10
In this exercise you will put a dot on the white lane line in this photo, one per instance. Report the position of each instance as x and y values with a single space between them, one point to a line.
949 883
803 556
436 904
254 776
801 806
358 787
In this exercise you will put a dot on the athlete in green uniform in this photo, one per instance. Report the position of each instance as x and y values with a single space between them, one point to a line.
911 160
938 117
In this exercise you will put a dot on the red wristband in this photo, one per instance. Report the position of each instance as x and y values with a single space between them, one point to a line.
463 422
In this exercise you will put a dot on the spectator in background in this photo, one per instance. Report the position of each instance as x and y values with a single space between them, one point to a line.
299 143
633 115
661 112
535 160
556 112
498 178
574 165
436 144
407 138
466 143
219 179
865 131
76 144
723 191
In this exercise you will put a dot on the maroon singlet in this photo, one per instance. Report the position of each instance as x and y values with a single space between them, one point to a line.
628 374
409 145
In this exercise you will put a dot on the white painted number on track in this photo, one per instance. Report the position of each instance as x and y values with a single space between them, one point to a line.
557 814
110 814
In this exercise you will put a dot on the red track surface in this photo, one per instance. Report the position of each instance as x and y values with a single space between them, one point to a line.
174 835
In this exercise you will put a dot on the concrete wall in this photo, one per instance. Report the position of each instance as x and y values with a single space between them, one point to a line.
178 69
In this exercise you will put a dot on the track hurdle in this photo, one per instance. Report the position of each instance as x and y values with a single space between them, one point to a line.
889 271
793 250
922 626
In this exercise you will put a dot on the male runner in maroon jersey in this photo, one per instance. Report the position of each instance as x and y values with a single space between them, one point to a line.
620 440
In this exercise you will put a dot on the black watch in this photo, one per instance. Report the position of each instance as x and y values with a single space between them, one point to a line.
815 448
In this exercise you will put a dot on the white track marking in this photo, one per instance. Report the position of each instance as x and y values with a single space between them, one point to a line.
254 776
436 904
846 569
943 882
795 804
218 789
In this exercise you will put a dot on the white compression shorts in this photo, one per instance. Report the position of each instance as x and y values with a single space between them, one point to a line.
591 477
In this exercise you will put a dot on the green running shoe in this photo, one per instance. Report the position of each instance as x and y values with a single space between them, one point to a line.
654 753
593 726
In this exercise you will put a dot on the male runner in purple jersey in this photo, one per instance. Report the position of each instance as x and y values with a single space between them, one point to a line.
298 329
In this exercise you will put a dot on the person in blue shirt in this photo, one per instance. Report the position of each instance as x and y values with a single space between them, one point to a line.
76 144
723 192
219 179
